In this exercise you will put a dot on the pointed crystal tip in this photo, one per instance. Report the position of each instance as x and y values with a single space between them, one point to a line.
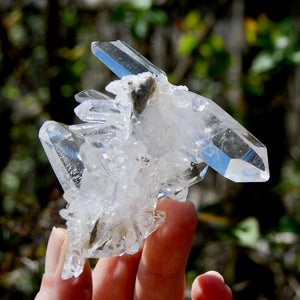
122 60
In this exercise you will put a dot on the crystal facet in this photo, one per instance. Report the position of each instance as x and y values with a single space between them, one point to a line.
151 140
122 59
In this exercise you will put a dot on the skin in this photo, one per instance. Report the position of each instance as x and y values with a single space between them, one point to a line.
157 271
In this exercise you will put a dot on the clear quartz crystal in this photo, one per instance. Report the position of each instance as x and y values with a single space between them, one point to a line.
152 140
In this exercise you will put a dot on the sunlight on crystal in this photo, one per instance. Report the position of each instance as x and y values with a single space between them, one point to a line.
151 140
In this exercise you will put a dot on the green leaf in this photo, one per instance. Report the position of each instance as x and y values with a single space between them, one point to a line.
193 20
187 44
67 90
16 34
201 68
157 17
68 17
247 232
140 28
11 91
263 62
78 67
295 57
205 50
141 4
281 42
119 14
216 43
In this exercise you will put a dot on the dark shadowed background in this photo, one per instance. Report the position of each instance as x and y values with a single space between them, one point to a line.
243 54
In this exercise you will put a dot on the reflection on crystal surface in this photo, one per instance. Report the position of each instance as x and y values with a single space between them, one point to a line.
122 59
152 140
90 95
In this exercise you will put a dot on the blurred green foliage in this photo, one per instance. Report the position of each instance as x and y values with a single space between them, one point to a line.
211 60
140 16
205 58
244 230
278 47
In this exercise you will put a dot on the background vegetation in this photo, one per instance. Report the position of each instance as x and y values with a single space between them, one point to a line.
243 54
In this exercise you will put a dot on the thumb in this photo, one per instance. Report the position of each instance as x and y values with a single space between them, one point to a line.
53 286
210 286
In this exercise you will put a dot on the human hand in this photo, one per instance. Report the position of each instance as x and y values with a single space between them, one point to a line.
157 271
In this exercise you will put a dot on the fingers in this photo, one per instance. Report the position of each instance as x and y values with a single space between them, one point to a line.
52 286
161 272
157 273
210 286
114 277
164 257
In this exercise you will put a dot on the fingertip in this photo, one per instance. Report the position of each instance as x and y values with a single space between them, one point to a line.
210 286
165 253
53 286
56 251
215 274
183 212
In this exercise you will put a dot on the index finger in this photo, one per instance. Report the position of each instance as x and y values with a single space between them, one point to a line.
161 272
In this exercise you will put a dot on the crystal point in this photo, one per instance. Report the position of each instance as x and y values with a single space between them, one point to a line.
123 60
151 140
227 146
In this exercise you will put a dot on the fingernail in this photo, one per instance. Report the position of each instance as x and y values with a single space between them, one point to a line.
56 251
216 274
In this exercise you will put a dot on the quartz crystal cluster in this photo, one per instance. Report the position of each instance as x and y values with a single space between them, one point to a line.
147 140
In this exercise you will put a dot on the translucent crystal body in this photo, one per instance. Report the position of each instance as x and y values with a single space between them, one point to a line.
149 141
